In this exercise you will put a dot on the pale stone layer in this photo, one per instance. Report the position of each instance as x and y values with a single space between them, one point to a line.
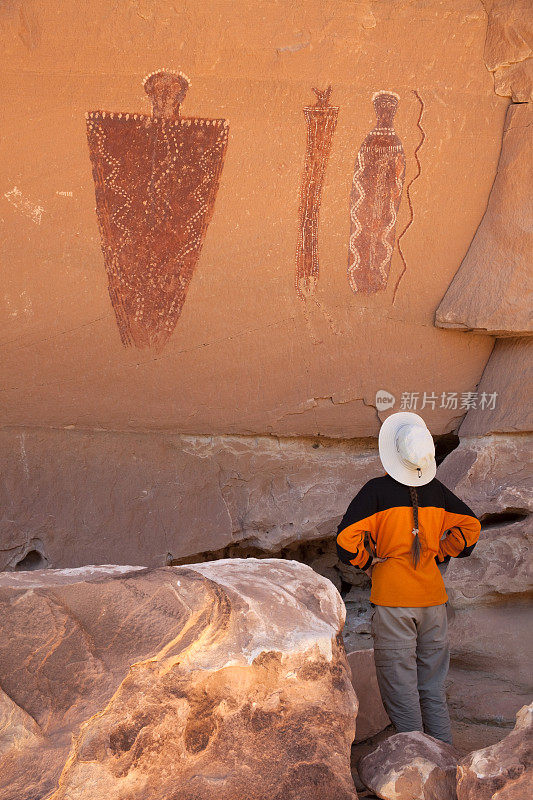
223 680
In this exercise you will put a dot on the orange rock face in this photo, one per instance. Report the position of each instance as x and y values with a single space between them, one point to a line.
226 680
246 355
491 290
509 373
508 52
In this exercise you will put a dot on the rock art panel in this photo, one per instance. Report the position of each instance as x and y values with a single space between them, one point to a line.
321 123
156 178
226 680
226 373
375 199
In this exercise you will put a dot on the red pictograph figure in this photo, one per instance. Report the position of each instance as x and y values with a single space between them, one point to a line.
321 123
375 199
156 178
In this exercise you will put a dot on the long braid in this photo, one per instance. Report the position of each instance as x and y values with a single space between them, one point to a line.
415 547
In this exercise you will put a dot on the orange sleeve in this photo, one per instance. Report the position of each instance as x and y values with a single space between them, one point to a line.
359 518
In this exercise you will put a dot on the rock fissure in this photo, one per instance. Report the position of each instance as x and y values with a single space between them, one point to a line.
501 518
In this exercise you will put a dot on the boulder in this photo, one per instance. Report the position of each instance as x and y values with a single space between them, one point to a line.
490 291
503 771
411 766
220 680
498 570
371 715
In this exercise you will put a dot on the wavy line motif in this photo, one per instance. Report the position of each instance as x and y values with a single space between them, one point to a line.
355 259
411 212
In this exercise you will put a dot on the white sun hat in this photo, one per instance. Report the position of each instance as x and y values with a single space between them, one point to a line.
407 449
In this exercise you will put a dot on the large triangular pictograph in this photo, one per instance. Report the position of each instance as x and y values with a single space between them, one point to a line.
156 179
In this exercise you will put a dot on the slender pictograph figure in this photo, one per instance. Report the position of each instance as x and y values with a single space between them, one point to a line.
375 198
321 122
156 178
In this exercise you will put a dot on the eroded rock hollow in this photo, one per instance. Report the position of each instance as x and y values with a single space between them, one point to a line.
224 680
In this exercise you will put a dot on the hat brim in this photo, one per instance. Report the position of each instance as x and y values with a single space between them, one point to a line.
389 455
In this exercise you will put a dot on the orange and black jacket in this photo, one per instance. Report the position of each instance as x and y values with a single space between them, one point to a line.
383 511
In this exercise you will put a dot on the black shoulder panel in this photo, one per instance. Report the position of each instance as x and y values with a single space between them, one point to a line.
384 492
452 503
363 505
391 493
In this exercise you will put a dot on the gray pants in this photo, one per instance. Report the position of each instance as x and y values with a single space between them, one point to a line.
412 656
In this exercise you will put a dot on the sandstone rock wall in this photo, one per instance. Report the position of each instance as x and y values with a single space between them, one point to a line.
167 453
79 498
489 292
247 355
508 49
490 591
411 765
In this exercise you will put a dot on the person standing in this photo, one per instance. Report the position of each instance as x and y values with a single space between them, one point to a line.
399 528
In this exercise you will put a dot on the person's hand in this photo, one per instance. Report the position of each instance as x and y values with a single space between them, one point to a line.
375 560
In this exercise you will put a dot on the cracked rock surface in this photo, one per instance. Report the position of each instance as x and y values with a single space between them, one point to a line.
508 52
75 498
220 680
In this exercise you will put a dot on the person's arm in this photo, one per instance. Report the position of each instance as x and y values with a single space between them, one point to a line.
462 526
359 518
